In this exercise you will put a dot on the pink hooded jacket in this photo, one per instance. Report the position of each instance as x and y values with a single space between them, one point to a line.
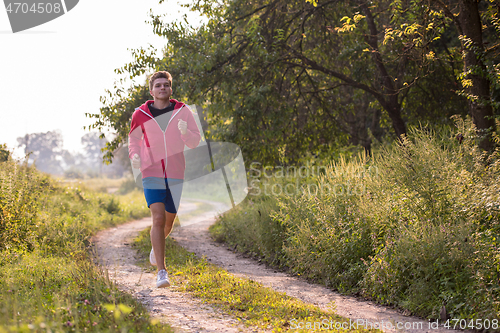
162 153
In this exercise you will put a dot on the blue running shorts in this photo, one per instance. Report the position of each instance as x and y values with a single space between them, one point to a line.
166 190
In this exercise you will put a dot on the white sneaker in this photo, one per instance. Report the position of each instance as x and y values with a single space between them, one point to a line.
152 258
162 279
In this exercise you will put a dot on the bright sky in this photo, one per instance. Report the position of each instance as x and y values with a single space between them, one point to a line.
50 75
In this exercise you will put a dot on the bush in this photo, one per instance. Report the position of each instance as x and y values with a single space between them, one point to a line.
327 238
432 204
425 267
250 227
73 173
48 281
416 226
20 188
4 153
37 212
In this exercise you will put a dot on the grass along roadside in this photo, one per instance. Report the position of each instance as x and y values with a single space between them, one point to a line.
47 281
244 299
54 294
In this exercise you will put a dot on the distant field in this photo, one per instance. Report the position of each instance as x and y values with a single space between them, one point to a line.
95 184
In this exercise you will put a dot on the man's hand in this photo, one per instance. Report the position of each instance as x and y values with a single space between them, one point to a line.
182 125
136 162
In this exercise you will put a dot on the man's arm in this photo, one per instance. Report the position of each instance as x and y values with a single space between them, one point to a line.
134 138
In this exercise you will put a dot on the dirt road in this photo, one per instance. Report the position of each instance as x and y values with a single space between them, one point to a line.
187 314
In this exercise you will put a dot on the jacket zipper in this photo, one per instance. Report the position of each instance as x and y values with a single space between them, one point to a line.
164 132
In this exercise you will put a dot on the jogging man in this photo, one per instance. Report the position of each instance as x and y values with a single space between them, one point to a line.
160 129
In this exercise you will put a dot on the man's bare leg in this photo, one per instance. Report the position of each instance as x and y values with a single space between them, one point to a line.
169 222
158 233
163 222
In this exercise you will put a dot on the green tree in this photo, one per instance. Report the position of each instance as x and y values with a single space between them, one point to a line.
476 24
4 153
93 143
479 74
119 105
300 76
45 149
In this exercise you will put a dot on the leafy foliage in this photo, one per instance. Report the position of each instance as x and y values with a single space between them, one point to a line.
4 153
47 279
416 225
281 75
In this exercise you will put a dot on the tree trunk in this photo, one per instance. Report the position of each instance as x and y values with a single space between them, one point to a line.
389 98
479 100
394 109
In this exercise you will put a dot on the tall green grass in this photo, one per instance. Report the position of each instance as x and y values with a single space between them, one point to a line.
48 281
415 226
